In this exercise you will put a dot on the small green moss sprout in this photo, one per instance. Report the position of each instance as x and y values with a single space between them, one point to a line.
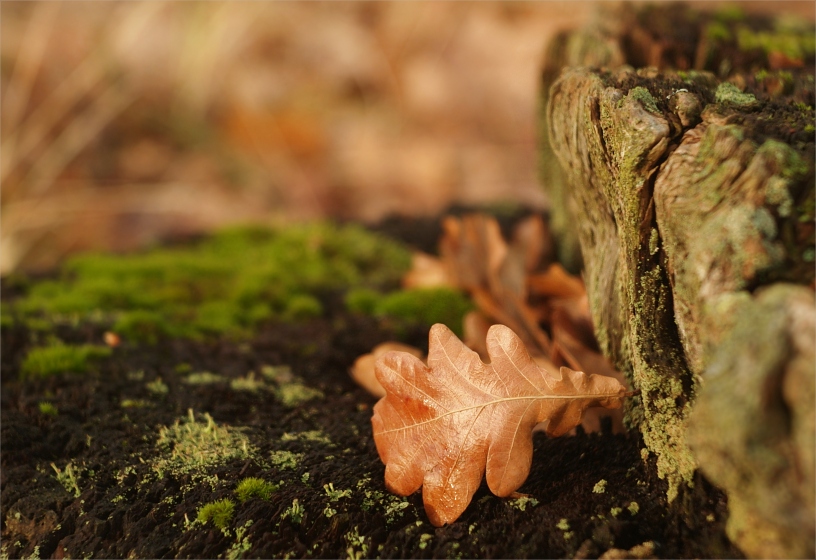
47 408
219 512
252 487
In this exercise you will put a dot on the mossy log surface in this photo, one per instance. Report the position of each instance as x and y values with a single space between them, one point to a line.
692 199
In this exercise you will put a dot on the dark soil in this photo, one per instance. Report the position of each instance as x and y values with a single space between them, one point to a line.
123 509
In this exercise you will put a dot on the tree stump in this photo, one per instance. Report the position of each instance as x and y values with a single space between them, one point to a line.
691 195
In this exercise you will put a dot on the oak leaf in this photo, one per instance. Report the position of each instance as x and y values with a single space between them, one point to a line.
444 425
363 369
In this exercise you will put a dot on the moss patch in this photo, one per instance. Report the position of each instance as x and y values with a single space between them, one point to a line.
252 487
220 513
61 358
225 284
416 306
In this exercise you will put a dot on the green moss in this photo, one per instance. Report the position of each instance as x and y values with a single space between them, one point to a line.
226 284
730 12
363 300
796 42
419 306
61 358
717 31
633 508
252 487
219 512
600 487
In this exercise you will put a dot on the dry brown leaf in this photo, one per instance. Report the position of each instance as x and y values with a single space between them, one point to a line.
556 282
426 271
474 332
445 425
363 369
574 340
480 262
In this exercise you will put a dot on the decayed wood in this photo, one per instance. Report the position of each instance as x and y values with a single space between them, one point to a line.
690 193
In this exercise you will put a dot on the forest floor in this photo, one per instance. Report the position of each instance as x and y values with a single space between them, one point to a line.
118 461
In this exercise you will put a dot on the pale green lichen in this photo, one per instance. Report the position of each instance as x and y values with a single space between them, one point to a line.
241 545
68 477
357 546
294 512
424 540
600 487
522 502
643 95
136 403
249 383
190 445
654 239
315 436
563 524
293 394
157 387
633 508
203 378
335 495
647 309
730 94
285 459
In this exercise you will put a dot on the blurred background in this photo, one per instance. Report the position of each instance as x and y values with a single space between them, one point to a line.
126 124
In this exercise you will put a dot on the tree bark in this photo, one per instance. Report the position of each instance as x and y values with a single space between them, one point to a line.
692 200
